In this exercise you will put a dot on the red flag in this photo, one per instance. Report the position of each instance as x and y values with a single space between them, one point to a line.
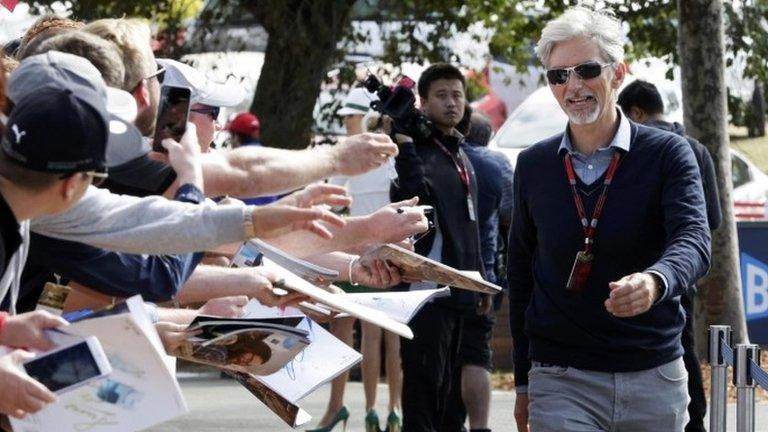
9 4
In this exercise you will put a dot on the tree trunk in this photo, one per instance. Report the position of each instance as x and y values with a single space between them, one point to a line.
757 126
701 48
303 38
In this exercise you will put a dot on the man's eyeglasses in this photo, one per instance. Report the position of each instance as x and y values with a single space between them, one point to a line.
159 74
584 71
210 110
97 177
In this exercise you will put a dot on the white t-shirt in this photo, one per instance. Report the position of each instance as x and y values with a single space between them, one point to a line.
369 191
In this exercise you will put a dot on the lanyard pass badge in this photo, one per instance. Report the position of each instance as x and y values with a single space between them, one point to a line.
582 266
471 207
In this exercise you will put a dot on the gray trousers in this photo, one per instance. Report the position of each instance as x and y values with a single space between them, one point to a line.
566 399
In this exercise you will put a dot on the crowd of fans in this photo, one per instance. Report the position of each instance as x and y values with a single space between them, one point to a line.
80 104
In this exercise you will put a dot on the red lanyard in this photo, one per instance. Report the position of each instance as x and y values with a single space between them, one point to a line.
460 167
590 226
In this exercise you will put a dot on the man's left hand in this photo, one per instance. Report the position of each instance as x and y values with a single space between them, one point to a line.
318 193
375 273
632 295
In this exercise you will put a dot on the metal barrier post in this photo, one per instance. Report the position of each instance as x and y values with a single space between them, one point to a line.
719 378
743 354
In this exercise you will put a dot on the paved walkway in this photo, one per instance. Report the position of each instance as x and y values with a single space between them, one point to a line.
223 405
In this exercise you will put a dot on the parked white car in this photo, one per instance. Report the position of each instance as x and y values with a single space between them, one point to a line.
540 117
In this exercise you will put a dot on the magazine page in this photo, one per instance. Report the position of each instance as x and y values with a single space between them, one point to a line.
312 273
249 350
338 302
254 309
141 391
213 326
324 359
415 266
249 253
401 306
289 412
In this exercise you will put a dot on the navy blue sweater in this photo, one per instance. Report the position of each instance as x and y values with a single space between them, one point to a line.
654 219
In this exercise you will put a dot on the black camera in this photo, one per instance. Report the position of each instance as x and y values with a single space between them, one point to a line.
399 103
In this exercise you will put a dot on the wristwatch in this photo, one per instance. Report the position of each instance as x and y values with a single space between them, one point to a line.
248 228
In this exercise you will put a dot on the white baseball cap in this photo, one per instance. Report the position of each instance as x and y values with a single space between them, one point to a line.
204 90
358 101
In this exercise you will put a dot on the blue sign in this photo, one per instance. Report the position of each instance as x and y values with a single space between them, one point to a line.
753 253
754 286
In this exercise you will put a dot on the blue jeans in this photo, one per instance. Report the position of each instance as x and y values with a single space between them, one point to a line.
566 399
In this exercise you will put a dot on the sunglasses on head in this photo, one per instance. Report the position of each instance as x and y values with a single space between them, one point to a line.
159 74
584 71
210 110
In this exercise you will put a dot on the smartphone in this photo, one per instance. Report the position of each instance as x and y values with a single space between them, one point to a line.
69 366
172 115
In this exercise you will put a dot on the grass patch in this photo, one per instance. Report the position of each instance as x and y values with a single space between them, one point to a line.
756 149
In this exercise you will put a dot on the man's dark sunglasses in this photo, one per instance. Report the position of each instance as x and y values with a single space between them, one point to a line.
210 110
584 71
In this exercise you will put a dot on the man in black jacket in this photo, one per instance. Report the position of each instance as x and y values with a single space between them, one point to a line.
438 172
642 103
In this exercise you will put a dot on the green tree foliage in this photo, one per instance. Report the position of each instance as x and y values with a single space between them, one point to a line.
415 31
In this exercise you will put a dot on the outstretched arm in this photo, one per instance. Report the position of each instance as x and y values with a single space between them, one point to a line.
256 171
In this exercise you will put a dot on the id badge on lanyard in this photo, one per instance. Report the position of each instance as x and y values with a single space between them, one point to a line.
582 263
471 207
463 172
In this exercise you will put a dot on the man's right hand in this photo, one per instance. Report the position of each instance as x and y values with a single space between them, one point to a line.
276 219
26 330
184 157
20 395
361 153
262 289
397 221
521 412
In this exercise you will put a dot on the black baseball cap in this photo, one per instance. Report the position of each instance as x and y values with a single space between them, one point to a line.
66 119
57 130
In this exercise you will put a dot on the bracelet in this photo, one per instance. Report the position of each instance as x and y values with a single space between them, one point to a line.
248 228
349 271
3 318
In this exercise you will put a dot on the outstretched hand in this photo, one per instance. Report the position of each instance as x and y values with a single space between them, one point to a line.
397 221
317 194
277 219
361 153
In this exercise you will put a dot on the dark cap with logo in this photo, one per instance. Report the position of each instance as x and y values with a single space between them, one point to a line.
64 120
58 129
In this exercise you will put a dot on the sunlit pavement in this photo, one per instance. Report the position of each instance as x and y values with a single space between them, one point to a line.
223 405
